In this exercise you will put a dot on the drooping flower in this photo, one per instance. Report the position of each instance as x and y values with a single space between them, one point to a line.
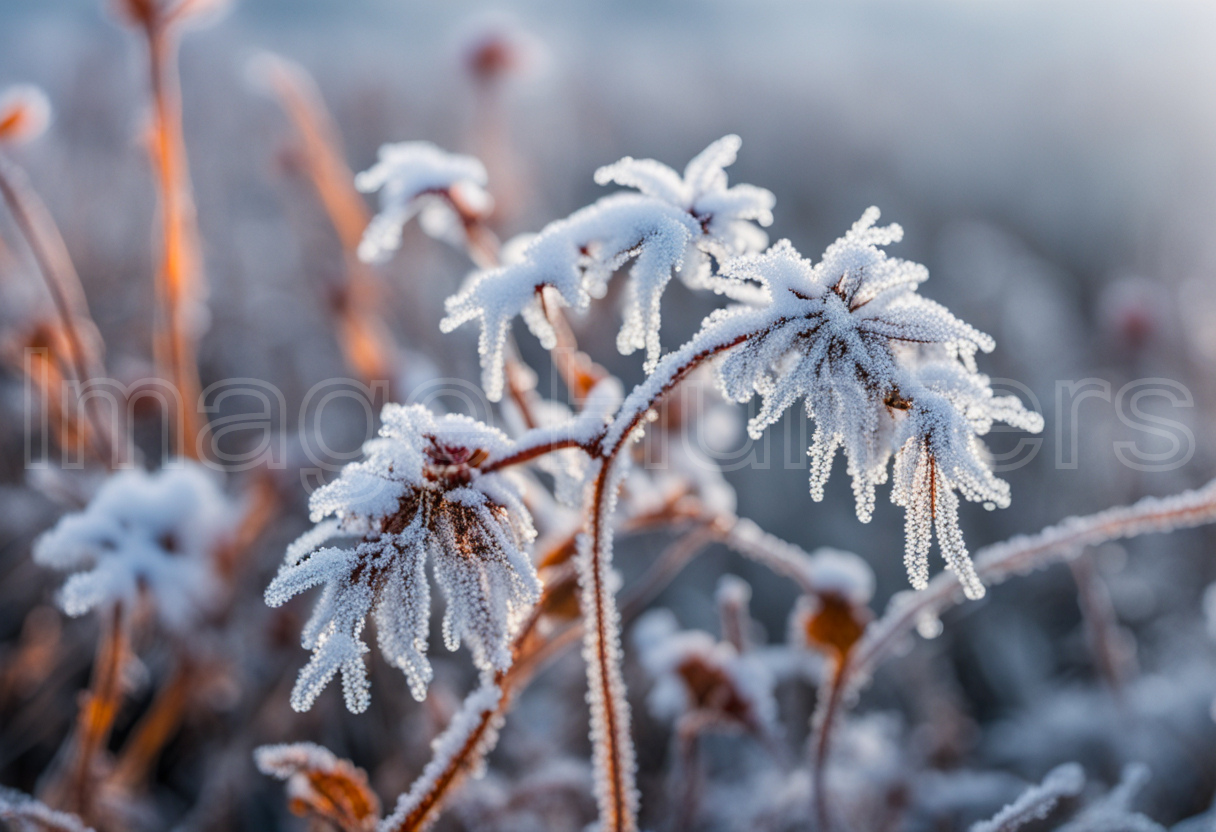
417 496
667 228
154 532
423 180
882 370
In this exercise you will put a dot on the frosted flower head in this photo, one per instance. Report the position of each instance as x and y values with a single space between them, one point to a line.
25 114
728 215
668 228
881 369
155 533
418 495
423 180
692 671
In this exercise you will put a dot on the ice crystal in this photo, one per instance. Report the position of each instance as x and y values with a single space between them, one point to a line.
419 495
144 531
420 179
883 371
1037 802
671 226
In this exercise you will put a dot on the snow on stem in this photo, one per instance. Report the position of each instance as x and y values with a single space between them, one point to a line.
1025 553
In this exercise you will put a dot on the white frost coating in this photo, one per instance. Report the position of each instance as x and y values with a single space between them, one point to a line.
157 531
883 371
1112 812
417 496
418 178
284 760
827 571
480 709
1023 553
25 814
671 226
666 652
606 693
1036 802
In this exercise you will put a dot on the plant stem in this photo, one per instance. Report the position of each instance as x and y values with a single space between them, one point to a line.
180 279
59 274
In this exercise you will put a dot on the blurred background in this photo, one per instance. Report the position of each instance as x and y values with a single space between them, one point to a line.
1051 163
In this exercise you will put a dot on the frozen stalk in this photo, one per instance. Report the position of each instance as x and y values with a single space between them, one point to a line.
1037 802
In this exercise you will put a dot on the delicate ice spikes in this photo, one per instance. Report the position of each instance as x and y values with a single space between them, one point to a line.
418 495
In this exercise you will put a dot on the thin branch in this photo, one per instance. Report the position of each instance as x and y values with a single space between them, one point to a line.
59 274
98 709
180 280
1025 553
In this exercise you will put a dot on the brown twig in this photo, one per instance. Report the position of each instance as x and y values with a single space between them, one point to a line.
365 337
95 718
155 728
180 282
63 283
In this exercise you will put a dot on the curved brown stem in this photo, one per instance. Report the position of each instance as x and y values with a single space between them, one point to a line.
831 695
59 274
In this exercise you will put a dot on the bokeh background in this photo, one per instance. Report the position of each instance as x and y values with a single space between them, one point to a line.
1051 163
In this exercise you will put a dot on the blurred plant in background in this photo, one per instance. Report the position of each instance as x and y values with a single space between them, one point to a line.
729 679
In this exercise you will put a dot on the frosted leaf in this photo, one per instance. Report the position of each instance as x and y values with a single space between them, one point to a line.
667 228
882 371
417 497
22 813
1037 802
420 179
144 531
693 671
321 783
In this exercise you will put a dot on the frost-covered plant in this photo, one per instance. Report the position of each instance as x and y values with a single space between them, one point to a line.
1037 802
885 373
694 672
669 227
322 784
419 495
444 190
154 533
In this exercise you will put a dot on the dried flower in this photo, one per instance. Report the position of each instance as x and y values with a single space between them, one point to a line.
418 495
883 372
420 179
